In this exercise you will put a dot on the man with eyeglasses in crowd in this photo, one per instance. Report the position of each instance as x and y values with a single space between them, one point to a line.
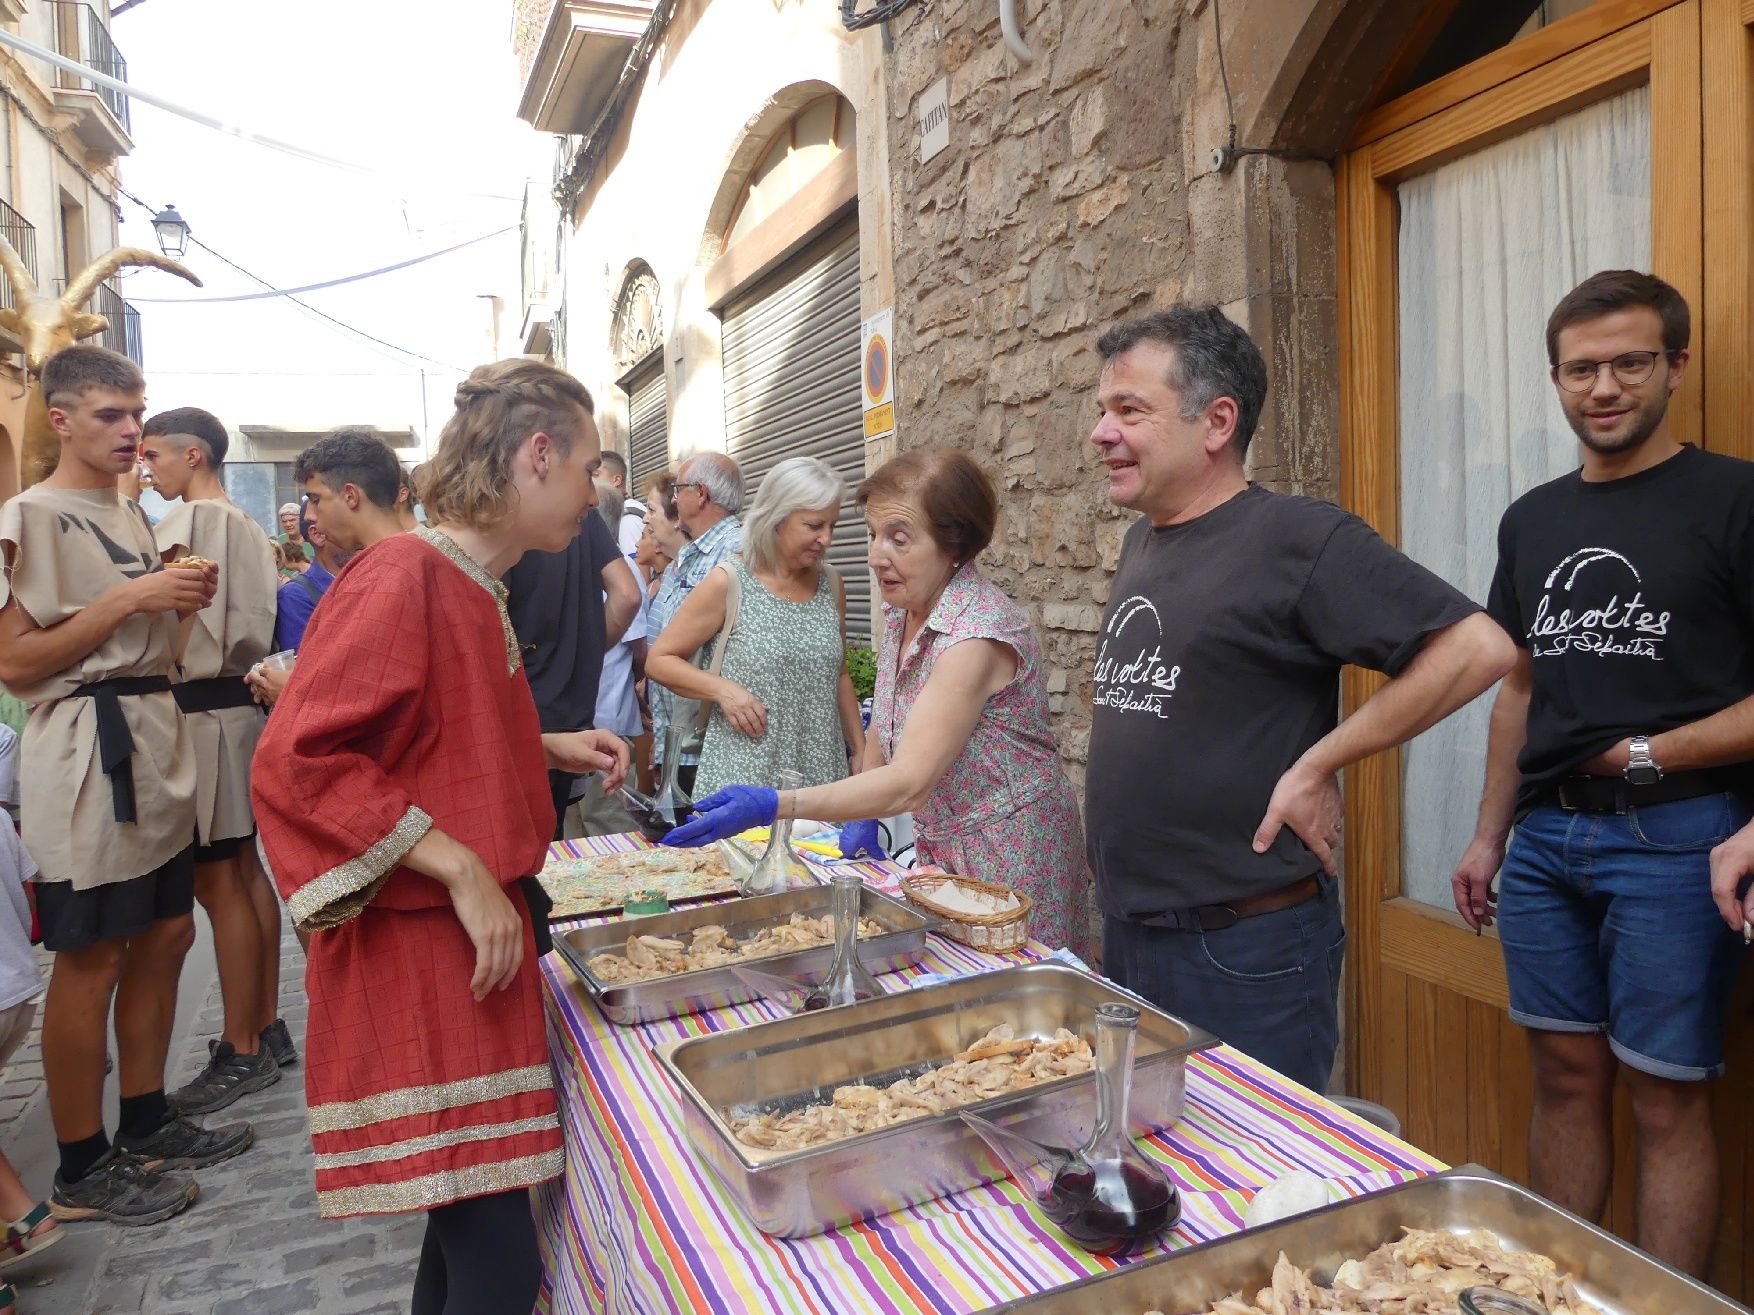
1620 748
709 500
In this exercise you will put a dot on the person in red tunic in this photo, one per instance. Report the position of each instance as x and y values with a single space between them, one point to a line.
402 792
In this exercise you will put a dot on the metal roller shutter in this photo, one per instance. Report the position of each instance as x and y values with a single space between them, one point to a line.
648 420
791 363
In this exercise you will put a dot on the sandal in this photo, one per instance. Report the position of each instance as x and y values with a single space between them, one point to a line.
22 1239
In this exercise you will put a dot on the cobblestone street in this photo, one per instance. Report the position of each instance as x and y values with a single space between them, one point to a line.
253 1244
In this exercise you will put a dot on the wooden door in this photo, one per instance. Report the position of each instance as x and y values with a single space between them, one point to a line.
1428 1032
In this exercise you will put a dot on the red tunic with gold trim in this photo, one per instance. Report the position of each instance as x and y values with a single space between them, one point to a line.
408 709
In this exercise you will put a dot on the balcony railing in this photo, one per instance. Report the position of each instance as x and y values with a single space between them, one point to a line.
123 335
22 234
81 35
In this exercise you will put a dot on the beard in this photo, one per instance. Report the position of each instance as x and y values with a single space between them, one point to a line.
1644 423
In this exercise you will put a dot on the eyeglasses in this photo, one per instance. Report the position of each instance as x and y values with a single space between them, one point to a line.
1630 368
696 484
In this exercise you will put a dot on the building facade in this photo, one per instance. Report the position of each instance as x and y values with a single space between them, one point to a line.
1388 194
61 138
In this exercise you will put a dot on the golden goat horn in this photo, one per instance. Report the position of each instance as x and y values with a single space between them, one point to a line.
24 287
80 289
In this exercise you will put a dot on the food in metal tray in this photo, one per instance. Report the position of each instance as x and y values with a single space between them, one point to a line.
1422 1274
712 946
999 1062
598 882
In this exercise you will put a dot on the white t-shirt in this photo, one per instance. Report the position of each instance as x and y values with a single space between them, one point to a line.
20 978
617 708
633 524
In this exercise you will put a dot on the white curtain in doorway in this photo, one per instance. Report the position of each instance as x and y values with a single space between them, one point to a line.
1488 244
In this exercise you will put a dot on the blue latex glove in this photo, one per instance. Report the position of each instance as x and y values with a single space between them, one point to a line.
860 840
727 812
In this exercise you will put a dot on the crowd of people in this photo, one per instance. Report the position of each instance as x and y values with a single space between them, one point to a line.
444 699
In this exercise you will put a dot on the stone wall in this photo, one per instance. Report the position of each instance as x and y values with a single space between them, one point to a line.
529 21
1076 190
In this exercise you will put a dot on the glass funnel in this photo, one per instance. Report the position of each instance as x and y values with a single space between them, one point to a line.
1107 1195
659 816
778 868
848 979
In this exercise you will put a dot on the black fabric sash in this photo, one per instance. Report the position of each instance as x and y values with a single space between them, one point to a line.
115 742
212 694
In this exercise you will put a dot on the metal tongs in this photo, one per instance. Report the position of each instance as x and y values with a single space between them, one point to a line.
1496 1301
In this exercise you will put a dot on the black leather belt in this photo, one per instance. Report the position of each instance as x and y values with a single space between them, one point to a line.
115 742
213 693
1608 794
1216 917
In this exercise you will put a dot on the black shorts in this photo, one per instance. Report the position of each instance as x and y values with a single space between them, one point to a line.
220 850
78 919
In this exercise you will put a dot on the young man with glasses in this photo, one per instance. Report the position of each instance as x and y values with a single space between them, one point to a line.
1621 748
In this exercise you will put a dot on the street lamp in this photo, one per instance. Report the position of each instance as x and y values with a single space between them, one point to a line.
173 232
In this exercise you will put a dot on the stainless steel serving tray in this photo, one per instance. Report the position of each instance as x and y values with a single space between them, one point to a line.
901 943
802 1059
1615 1276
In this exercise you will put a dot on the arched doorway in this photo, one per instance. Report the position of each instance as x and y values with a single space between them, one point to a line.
637 340
1466 206
786 288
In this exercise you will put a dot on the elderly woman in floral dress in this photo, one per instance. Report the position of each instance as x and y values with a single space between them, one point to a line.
959 724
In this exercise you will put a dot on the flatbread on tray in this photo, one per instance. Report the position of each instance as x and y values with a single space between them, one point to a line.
599 883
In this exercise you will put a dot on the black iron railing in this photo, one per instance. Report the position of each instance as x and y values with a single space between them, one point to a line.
123 335
22 234
80 35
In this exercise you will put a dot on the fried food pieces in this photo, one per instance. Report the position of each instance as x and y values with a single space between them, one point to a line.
1422 1274
712 946
192 563
998 1063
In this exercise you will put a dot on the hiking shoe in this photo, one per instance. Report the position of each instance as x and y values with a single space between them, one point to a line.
120 1189
277 1037
227 1076
183 1144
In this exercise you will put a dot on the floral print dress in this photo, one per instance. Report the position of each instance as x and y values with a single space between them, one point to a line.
1003 811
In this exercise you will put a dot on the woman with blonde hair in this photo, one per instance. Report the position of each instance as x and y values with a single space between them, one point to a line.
783 700
403 797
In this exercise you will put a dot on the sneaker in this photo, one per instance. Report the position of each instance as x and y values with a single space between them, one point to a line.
227 1076
277 1037
184 1144
120 1189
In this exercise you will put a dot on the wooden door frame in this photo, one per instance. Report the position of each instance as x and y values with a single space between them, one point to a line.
1604 50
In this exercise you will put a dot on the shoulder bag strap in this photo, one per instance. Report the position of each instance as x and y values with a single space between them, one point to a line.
733 606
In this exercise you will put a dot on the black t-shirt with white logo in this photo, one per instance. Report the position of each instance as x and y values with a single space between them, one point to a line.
1217 667
1635 599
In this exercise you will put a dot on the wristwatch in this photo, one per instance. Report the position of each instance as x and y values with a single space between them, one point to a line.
1641 768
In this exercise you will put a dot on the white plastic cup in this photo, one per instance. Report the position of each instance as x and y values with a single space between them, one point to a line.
281 661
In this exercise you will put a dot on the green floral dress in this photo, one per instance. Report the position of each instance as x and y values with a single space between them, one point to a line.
789 656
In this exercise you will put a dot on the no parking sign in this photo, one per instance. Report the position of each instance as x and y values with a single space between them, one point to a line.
877 374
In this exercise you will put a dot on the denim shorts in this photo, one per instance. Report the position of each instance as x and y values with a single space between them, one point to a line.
1608 926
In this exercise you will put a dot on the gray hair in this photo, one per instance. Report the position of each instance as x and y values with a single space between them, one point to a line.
1214 358
721 475
610 504
796 484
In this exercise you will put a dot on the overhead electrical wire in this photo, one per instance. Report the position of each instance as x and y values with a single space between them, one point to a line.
326 283
257 278
131 90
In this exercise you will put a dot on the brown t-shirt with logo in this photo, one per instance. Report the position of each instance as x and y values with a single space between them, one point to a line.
1217 667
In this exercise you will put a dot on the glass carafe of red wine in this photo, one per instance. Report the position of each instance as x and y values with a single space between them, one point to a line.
1107 1196
848 979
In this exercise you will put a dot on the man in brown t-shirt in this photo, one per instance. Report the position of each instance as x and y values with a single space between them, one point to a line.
185 450
88 633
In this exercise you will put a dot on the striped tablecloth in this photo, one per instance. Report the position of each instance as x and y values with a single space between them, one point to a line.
639 1225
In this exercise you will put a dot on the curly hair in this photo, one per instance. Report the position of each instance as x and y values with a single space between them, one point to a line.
469 479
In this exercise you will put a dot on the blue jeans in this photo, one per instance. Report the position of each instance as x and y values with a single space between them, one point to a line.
1608 926
1270 985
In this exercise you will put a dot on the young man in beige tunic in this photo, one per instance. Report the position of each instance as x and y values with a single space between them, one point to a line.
88 633
183 451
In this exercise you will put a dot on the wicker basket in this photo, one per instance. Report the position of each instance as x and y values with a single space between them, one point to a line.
981 931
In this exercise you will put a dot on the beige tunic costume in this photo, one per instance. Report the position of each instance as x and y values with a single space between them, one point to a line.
227 638
66 547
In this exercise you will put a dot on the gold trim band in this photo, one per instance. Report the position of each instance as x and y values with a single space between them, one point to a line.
436 1189
437 1141
341 1115
343 891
